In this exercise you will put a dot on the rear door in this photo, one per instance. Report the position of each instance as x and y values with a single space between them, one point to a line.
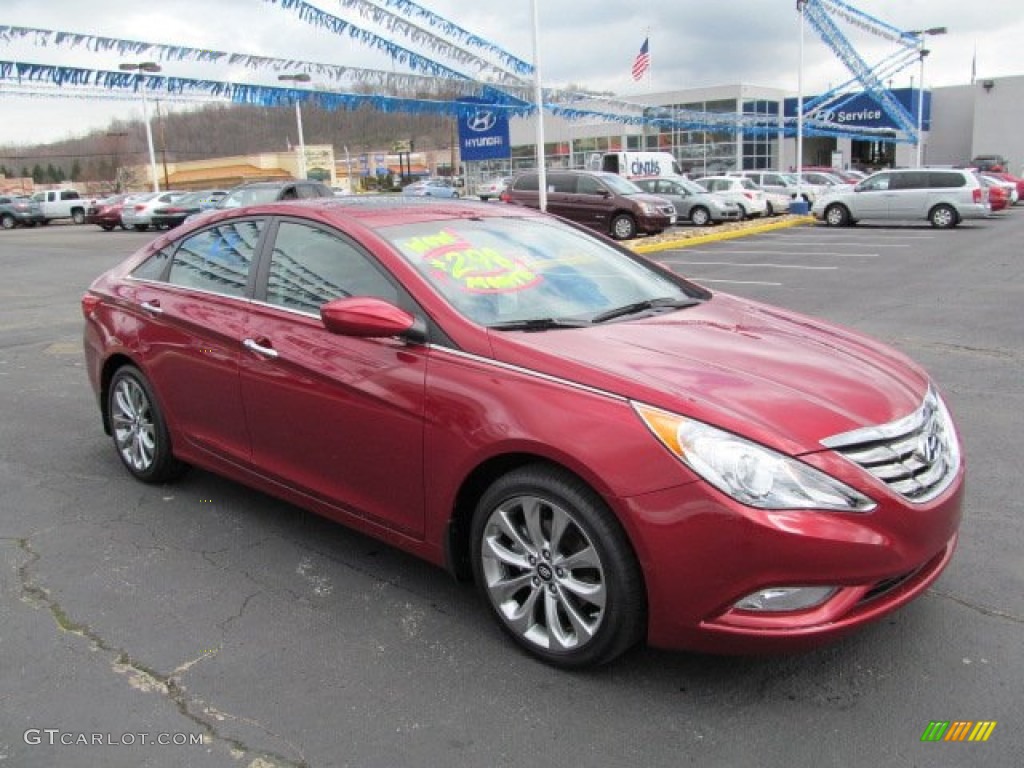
592 203
195 308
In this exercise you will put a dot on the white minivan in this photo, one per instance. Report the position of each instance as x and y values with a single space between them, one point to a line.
944 197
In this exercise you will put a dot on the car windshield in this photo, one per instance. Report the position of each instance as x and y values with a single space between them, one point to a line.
508 271
249 196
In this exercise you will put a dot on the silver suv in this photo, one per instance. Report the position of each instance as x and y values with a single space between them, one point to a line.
944 197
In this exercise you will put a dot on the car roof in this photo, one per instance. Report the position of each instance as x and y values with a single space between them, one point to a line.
385 210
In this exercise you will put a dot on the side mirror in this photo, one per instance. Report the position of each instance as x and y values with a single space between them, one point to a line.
369 317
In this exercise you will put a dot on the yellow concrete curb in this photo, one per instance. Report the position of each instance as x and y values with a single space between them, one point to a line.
684 242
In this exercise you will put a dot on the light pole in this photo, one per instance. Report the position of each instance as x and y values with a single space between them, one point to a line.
923 52
301 77
801 205
141 67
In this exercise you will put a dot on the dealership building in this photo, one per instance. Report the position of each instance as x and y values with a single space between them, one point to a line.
959 122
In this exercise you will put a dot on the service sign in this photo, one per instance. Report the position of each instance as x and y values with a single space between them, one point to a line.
864 111
483 133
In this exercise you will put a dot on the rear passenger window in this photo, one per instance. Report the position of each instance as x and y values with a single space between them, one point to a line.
946 179
217 259
155 267
561 182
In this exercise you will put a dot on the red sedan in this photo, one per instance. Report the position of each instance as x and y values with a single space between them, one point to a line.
106 213
998 196
612 453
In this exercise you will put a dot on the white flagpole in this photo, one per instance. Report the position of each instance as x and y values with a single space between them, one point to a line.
538 98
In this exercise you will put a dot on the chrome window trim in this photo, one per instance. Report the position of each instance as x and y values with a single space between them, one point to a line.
168 284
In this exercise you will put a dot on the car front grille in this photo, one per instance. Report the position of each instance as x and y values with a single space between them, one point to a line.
917 456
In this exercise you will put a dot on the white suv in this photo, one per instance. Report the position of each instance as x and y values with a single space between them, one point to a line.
943 197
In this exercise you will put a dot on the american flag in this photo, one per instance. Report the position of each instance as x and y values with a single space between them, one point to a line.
642 62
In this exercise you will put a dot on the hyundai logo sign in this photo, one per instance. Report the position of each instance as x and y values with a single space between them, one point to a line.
481 121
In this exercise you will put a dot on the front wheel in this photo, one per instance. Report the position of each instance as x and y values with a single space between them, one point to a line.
837 216
137 425
556 569
623 227
78 216
7 221
943 217
700 216
769 209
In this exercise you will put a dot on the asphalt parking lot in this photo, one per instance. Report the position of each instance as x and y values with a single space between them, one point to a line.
206 611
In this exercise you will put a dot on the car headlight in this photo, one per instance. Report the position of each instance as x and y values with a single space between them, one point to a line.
649 209
750 473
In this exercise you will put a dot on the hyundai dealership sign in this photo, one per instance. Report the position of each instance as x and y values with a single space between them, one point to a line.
483 133
862 111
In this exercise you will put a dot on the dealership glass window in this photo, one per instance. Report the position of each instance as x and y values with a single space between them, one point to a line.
217 259
759 146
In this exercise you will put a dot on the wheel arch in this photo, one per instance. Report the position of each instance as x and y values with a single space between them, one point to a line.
111 366
457 541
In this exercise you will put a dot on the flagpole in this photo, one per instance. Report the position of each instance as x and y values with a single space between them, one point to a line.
538 98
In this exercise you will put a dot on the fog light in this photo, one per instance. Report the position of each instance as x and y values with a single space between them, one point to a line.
785 598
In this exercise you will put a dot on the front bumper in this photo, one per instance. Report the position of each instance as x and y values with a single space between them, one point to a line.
702 552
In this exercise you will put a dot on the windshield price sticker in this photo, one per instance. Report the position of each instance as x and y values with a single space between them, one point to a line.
474 270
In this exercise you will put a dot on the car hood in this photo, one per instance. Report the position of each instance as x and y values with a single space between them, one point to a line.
777 377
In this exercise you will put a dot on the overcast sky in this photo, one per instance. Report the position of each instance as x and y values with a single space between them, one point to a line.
591 43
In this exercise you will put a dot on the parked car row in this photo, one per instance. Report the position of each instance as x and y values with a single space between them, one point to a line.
21 211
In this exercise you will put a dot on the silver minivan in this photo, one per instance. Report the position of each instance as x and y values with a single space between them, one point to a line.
944 197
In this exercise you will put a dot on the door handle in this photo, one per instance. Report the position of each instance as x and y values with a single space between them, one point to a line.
259 349
152 306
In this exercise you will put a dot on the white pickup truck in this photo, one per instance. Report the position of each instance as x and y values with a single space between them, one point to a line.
62 204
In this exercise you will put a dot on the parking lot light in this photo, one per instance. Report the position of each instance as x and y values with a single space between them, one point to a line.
299 77
150 67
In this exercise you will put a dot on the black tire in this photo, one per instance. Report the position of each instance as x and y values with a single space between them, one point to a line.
78 216
45 222
140 227
572 599
943 216
623 227
837 215
107 227
7 221
744 213
123 225
700 216
769 209
138 428
455 195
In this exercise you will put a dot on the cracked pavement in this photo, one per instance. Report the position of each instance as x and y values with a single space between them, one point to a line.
282 639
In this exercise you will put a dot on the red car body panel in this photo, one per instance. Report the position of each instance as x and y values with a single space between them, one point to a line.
386 435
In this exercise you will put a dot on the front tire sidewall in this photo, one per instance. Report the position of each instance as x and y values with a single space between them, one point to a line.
700 217
836 216
623 622
623 227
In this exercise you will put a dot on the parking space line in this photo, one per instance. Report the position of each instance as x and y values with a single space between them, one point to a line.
730 282
739 264
781 253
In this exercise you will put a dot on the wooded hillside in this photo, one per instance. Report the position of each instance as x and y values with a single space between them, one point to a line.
218 131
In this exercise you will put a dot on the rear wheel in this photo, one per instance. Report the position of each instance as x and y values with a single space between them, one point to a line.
7 221
556 569
138 428
623 227
836 215
78 216
943 217
700 216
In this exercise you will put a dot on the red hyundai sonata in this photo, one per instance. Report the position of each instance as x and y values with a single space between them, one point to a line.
613 454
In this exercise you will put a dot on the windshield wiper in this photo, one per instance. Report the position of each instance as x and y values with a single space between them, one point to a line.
538 324
642 306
